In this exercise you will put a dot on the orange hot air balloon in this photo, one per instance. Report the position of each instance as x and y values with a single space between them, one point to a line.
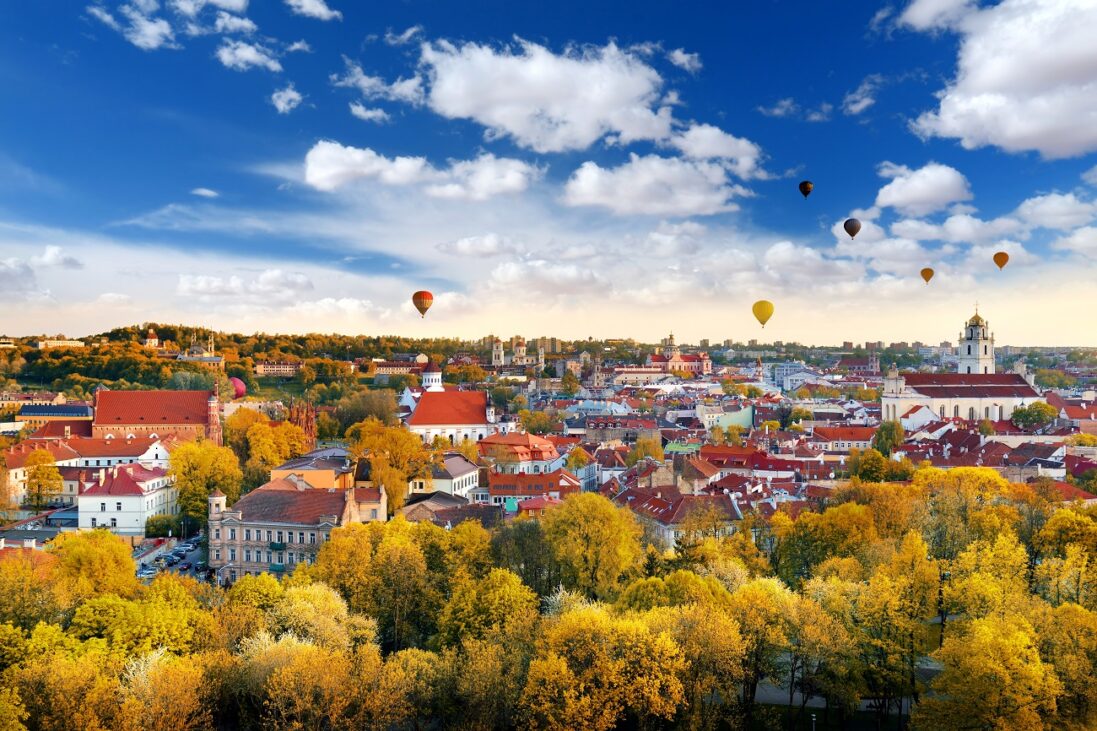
1001 259
806 186
852 226
763 310
927 274
422 301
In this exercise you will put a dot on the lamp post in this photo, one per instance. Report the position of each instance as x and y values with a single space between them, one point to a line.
217 573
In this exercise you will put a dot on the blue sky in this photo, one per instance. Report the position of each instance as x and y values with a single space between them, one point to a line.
568 168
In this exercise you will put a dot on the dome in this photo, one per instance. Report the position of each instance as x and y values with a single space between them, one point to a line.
976 321
432 368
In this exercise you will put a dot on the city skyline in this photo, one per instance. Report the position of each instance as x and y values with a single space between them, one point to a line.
304 167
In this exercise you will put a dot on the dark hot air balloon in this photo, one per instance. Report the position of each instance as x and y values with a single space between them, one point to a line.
806 186
239 388
1001 259
763 310
422 301
852 226
927 274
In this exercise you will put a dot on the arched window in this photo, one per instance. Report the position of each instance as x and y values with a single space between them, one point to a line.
969 369
969 350
971 414
956 411
942 412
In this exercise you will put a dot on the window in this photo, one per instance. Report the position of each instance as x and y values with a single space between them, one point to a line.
232 554
217 554
969 351
93 522
114 522
971 414
984 350
312 538
247 534
247 554
281 557
270 536
270 557
232 534
301 537
280 537
102 507
118 507
986 413
373 514
289 536
217 534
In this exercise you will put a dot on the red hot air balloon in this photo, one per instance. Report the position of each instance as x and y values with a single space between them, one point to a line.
806 186
239 388
422 301
852 226
1001 259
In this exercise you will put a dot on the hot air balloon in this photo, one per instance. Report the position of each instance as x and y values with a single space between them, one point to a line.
239 388
422 301
806 186
763 310
1001 259
927 274
852 226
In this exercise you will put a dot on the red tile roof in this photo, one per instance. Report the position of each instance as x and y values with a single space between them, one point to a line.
526 447
844 433
125 480
970 385
531 485
288 501
55 429
438 408
116 408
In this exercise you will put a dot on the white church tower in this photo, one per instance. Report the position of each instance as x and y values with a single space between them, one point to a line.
976 351
497 359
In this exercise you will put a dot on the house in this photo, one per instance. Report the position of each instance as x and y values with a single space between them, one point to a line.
454 415
448 511
30 398
455 475
37 415
519 452
277 368
666 514
62 343
843 438
321 468
620 428
535 507
672 360
184 414
504 486
123 498
281 524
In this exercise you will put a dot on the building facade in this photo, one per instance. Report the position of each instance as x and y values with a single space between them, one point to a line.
123 498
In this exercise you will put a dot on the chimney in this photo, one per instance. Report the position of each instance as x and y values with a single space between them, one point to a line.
68 431
3 543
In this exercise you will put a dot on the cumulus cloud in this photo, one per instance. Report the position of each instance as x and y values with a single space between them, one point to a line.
690 62
55 256
653 185
140 28
786 107
367 114
402 39
240 56
1026 75
227 23
16 279
487 245
1057 211
205 193
1090 176
959 228
546 101
863 97
113 298
374 87
270 284
925 190
546 278
286 100
704 141
329 165
314 9
191 8
1082 241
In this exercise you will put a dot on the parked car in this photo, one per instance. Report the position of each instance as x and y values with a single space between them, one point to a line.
171 561
185 566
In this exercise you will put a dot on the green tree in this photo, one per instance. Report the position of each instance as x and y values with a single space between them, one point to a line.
479 608
889 435
1035 415
868 465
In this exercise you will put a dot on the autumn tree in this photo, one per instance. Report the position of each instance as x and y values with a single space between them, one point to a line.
569 384
596 543
479 608
44 482
763 609
889 435
1035 415
396 456
94 562
645 447
199 468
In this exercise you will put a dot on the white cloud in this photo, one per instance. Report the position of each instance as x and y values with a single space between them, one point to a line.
286 100
314 9
329 165
1090 176
299 46
374 87
274 284
653 185
113 298
205 193
485 177
547 278
241 56
786 107
143 31
1026 75
863 97
674 239
691 62
205 285
959 228
892 256
16 279
191 8
402 39
490 244
546 101
820 113
278 281
1057 211
925 190
367 114
703 142
55 256
1081 241
104 17
227 23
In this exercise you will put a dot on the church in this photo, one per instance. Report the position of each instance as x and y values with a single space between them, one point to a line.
672 360
975 392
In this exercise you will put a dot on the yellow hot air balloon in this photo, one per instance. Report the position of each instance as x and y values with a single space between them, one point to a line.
1001 259
763 310
927 274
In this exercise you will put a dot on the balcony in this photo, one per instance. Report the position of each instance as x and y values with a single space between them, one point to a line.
277 546
278 567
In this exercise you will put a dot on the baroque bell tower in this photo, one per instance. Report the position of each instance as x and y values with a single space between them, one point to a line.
976 347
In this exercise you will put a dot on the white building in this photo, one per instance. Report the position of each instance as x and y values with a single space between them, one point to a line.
454 415
455 476
976 392
124 498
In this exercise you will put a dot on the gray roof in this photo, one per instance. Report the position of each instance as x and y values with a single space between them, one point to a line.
455 465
